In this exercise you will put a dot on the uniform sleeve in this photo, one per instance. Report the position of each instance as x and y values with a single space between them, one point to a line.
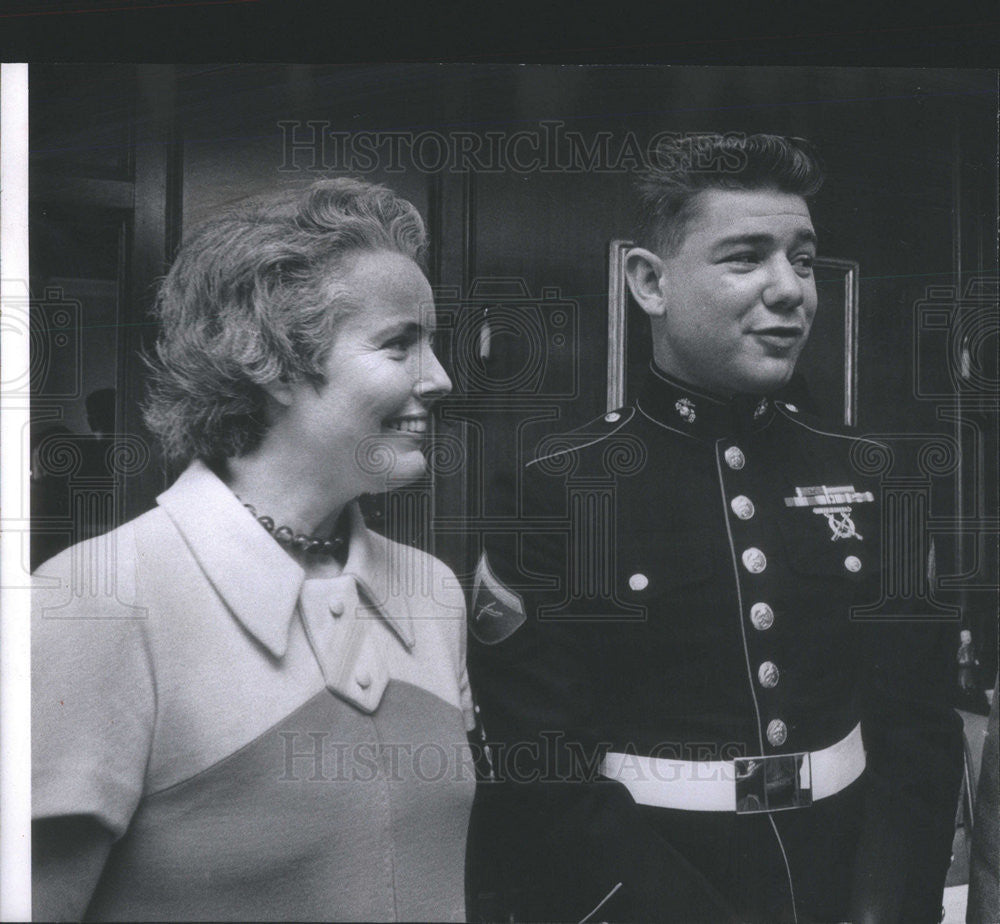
551 838
93 700
914 742
448 589
530 663
984 874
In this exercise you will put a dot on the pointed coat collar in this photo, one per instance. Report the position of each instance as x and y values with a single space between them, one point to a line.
256 578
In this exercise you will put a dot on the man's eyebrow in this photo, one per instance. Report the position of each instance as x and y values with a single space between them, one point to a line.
805 235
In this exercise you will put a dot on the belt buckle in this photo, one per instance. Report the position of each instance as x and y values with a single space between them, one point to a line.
773 783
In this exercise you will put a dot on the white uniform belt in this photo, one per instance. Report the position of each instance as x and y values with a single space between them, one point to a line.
711 785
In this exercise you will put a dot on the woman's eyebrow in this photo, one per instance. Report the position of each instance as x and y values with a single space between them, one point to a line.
409 328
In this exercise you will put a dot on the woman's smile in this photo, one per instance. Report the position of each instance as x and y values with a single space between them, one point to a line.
416 426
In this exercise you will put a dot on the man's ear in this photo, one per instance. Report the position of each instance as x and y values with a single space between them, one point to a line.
644 271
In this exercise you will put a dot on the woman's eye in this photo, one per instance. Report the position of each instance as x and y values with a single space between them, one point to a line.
398 344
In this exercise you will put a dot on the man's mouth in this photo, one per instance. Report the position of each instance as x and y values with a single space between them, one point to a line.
783 337
414 425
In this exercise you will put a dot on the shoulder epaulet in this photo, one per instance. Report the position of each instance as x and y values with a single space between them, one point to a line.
810 419
588 434
822 425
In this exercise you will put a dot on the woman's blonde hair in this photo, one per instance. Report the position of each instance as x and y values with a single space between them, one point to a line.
249 301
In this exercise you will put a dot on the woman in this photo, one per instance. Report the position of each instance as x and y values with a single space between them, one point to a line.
246 705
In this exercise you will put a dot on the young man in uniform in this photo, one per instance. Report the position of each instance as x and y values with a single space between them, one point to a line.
691 717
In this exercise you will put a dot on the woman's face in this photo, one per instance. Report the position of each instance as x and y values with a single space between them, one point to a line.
368 423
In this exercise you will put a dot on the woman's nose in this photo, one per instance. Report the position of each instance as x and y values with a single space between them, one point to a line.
433 381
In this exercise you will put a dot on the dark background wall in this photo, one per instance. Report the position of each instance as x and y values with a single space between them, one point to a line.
126 158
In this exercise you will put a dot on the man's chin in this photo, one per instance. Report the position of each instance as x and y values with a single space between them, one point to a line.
767 377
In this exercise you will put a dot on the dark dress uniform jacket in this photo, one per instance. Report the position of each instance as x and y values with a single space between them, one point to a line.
688 580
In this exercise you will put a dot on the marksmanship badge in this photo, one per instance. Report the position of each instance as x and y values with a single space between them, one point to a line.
841 524
833 503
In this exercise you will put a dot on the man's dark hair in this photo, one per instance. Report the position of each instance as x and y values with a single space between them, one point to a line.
685 166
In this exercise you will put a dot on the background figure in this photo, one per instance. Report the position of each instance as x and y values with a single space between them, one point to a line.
100 406
97 461
74 487
51 523
98 486
246 705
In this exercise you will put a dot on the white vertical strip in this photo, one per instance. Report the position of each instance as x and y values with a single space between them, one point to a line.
617 324
15 673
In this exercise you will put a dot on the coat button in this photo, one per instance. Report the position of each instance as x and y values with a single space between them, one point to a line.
852 563
792 408
767 674
734 457
754 560
613 417
743 507
777 733
762 616
336 607
638 582
363 680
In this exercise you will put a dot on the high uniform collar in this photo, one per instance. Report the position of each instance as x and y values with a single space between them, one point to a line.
697 413
257 579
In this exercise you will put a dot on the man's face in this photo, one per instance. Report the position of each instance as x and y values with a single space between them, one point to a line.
738 295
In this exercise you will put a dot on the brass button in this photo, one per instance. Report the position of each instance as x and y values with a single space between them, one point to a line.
777 733
852 563
638 582
613 417
743 507
734 457
762 616
754 560
792 408
767 674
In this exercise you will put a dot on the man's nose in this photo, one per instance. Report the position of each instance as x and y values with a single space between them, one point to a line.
785 287
433 381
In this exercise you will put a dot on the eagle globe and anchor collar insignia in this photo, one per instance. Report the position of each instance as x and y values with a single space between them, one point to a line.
834 503
685 407
497 611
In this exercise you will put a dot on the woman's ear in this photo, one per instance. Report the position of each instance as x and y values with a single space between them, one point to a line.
644 271
280 391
